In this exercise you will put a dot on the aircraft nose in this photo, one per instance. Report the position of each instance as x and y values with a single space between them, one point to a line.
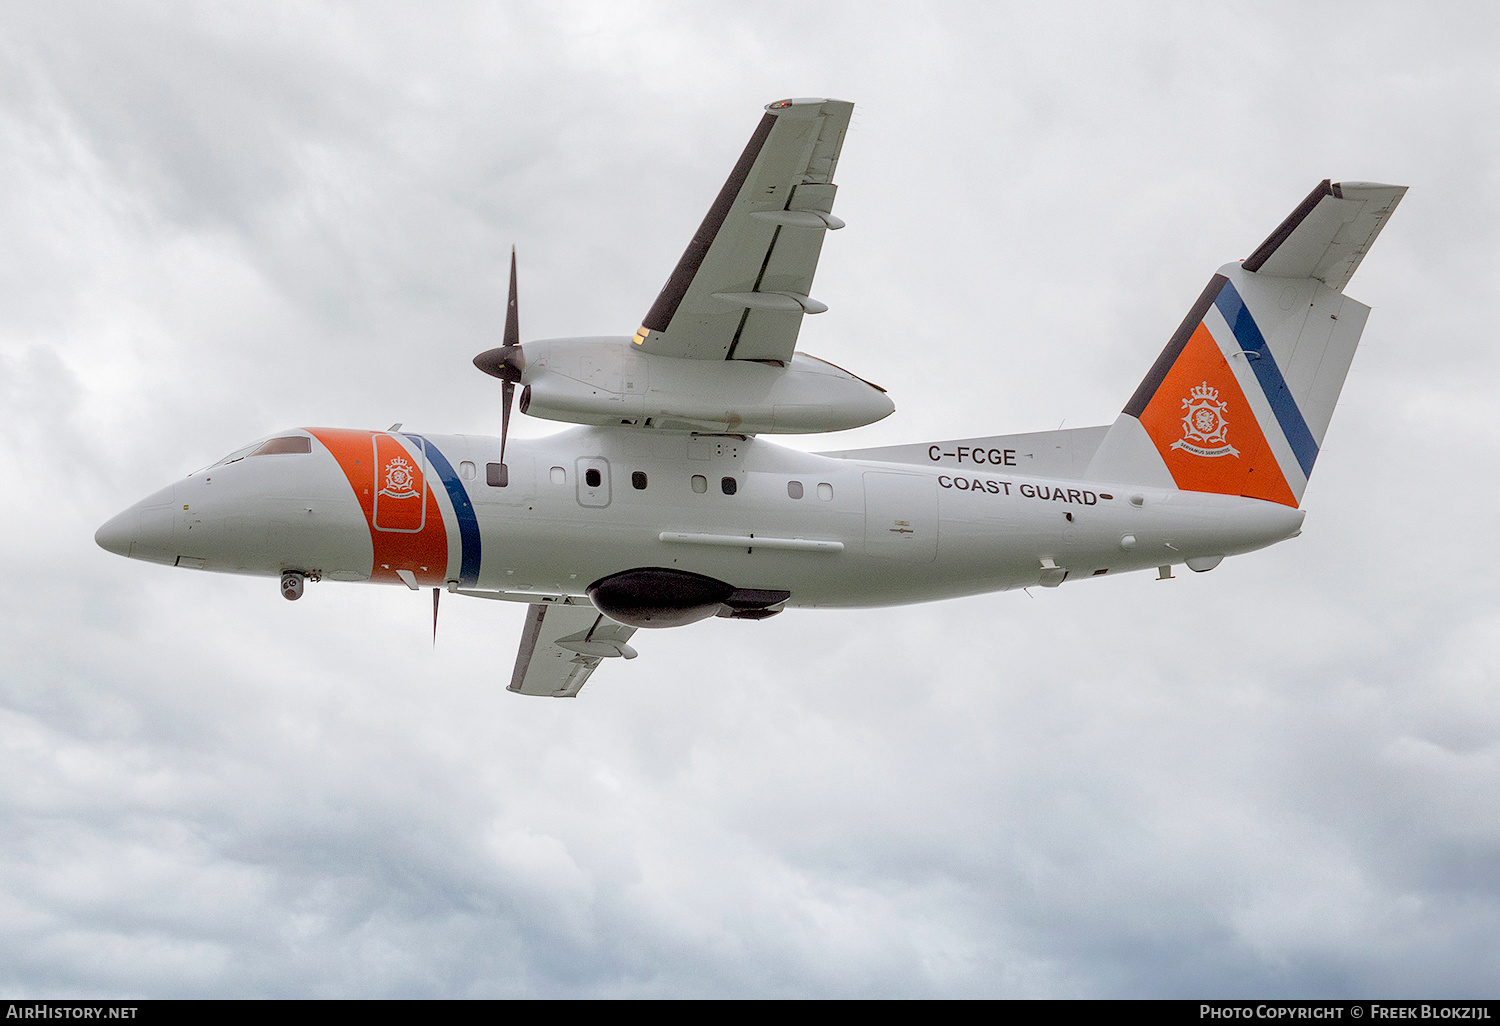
118 532
144 531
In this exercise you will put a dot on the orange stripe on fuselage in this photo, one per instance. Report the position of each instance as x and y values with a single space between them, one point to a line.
1252 470
424 552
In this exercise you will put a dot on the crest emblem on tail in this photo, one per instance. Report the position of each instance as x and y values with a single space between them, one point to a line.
1204 424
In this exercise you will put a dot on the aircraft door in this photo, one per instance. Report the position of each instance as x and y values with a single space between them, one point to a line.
593 482
901 516
400 485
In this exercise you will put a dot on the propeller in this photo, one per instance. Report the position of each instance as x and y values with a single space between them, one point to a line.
506 362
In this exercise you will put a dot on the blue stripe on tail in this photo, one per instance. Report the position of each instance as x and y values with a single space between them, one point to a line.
1253 343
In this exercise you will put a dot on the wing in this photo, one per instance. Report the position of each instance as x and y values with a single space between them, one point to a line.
741 288
561 645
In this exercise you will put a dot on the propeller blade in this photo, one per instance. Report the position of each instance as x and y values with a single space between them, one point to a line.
437 593
512 324
512 338
506 363
508 390
507 360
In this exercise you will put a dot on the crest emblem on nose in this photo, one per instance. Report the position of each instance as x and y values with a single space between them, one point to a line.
401 489
400 479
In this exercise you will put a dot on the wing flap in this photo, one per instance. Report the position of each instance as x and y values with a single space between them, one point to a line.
763 235
562 645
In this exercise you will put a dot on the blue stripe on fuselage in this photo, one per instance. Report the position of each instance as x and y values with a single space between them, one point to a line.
1251 341
463 510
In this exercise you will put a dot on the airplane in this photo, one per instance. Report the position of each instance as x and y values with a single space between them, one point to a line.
666 503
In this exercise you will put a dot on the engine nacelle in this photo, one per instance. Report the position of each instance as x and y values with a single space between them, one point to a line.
608 382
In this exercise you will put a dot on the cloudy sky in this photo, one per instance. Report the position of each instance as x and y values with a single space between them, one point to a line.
218 220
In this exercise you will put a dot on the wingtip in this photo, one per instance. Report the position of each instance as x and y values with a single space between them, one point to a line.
801 101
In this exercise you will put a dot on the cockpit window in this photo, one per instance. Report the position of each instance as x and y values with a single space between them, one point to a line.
270 447
235 456
283 446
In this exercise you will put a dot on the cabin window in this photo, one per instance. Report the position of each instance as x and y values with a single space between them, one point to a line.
700 483
467 470
593 478
284 446
825 491
559 475
794 489
729 485
496 475
638 481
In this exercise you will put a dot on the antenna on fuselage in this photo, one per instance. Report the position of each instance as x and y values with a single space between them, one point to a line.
506 363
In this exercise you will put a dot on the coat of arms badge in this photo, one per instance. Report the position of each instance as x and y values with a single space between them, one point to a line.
1204 424
400 479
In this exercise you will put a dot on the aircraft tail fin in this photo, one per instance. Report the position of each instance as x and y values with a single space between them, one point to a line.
1240 399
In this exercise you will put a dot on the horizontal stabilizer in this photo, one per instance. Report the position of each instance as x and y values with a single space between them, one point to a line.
1328 234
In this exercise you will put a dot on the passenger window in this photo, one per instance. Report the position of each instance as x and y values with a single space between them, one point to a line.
825 491
593 478
496 475
467 470
638 481
794 489
284 446
700 483
559 475
729 485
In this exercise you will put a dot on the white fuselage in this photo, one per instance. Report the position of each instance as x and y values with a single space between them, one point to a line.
861 533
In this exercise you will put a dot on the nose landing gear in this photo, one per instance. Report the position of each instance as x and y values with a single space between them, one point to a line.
291 584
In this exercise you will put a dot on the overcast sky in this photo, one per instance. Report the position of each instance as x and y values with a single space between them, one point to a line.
218 220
